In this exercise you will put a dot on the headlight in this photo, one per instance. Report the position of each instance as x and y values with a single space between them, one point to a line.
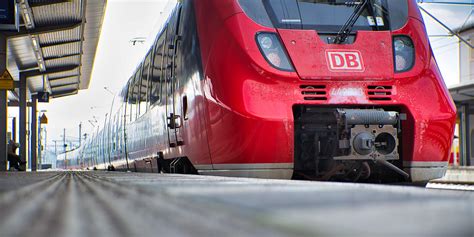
404 53
273 51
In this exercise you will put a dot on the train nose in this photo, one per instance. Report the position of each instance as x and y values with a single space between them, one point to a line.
314 58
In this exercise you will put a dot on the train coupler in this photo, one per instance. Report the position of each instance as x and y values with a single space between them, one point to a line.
368 134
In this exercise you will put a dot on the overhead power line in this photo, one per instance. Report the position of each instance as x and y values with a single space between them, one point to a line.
447 28
465 3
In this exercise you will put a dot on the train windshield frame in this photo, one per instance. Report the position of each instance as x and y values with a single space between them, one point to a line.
326 16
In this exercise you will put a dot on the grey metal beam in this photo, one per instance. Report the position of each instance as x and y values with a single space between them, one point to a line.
23 115
17 104
48 3
16 84
34 134
44 30
44 45
3 107
50 71
63 85
63 56
61 78
64 93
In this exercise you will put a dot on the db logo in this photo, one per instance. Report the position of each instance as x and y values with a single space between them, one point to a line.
350 61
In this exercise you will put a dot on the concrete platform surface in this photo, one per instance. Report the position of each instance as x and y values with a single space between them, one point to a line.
462 175
131 204
456 178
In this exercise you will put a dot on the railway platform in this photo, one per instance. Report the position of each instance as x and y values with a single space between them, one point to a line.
131 204
456 178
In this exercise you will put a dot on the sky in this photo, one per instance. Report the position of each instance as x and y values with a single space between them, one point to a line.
117 58
446 49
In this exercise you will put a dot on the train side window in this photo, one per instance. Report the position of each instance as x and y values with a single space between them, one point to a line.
130 100
156 77
149 66
136 93
144 84
133 99
171 50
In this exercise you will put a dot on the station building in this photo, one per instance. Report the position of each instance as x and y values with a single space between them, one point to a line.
463 96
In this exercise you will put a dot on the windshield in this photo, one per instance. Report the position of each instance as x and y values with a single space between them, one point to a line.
326 15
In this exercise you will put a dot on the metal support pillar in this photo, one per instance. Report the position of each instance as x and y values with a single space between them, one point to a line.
34 134
23 116
40 143
464 135
3 107
14 129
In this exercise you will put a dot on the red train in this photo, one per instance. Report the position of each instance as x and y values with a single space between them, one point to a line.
304 89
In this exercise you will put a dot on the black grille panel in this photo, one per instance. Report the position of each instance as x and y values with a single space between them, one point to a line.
314 92
380 93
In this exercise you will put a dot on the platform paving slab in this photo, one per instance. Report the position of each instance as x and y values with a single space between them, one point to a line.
133 204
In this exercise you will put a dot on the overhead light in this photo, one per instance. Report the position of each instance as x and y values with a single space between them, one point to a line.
27 15
38 52
28 18
42 66
35 42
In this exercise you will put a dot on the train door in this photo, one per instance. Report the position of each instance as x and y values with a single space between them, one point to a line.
173 103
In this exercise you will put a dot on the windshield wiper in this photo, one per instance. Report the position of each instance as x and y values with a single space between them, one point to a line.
347 27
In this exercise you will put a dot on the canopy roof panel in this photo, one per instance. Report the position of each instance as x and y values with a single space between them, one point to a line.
58 40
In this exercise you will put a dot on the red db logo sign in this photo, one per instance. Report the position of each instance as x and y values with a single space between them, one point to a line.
349 61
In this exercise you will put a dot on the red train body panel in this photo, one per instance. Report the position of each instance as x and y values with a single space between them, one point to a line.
231 112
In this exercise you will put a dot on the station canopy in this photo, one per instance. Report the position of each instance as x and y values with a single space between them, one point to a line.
56 45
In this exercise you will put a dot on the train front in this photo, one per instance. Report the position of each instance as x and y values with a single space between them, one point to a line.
351 87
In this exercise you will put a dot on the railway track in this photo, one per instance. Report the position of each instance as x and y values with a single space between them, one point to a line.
132 204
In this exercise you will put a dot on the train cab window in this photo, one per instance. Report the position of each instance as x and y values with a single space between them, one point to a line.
157 74
327 16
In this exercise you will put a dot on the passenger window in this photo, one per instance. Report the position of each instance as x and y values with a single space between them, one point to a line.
144 98
131 100
136 93
156 77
